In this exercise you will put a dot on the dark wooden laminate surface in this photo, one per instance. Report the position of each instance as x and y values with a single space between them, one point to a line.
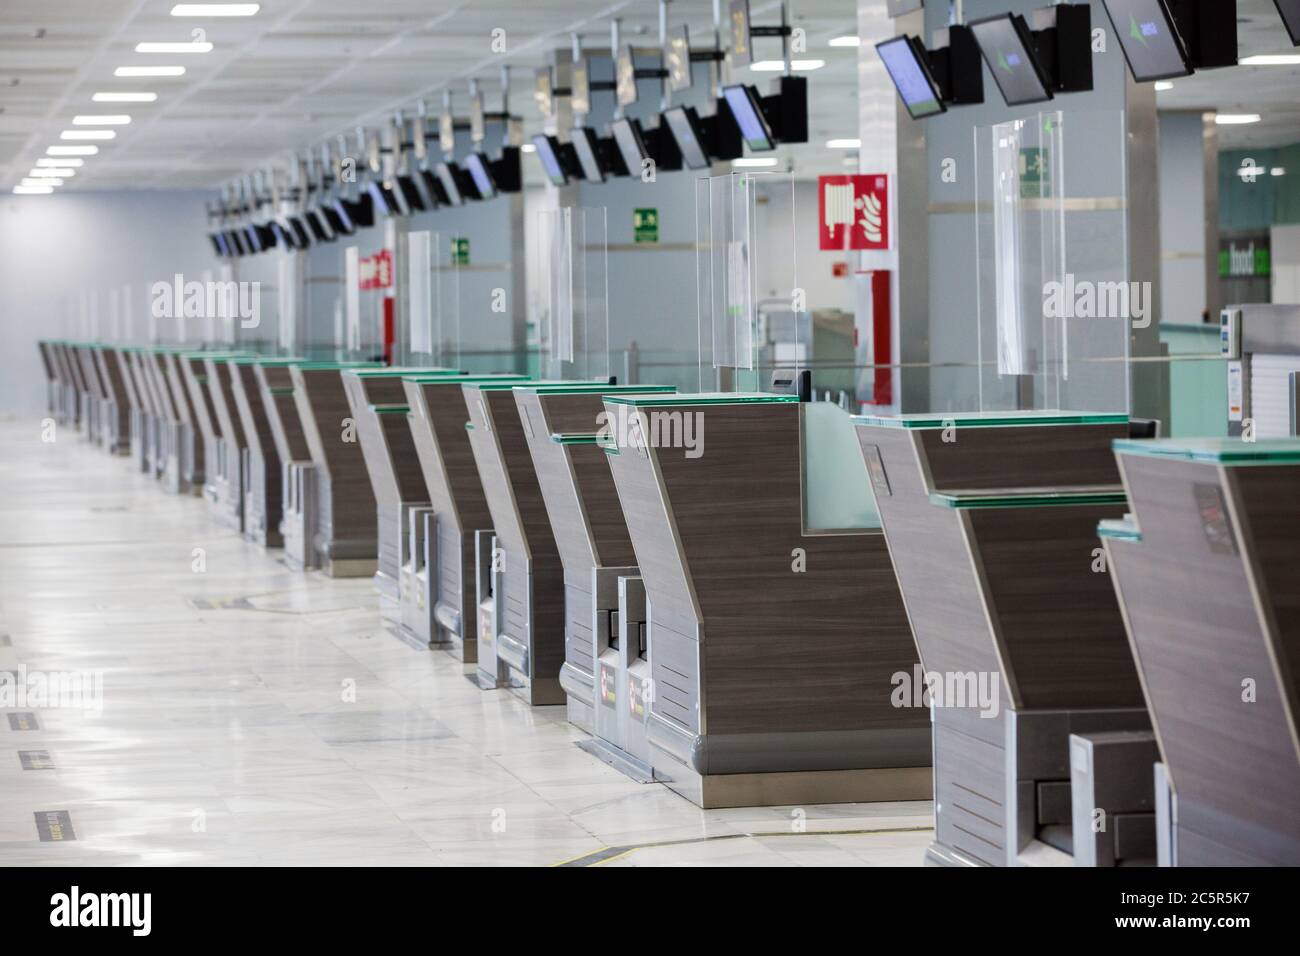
1042 456
199 386
223 401
122 360
322 404
275 383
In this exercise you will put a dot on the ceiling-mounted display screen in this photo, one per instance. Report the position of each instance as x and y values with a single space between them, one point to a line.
748 111
625 77
447 176
480 170
548 151
741 54
1149 39
587 146
544 91
689 133
580 86
1007 46
908 67
677 58
1290 10
631 143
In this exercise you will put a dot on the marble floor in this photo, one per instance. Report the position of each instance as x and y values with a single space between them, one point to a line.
290 727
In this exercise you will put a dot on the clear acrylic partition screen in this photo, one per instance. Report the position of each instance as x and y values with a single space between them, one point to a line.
434 336
1054 301
572 303
753 316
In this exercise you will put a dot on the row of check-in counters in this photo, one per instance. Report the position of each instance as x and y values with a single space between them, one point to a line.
1106 628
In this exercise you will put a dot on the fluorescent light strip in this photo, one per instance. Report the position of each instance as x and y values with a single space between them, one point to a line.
753 162
215 9
111 119
1236 119
1272 59
88 134
845 41
62 163
124 97
53 172
33 190
72 151
197 46
149 71
776 66
42 181
844 144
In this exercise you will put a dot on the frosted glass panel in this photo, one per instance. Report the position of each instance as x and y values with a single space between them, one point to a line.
836 486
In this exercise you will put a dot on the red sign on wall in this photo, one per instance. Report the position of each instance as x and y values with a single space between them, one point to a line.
853 212
376 272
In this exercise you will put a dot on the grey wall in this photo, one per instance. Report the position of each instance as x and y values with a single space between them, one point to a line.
53 248
1189 180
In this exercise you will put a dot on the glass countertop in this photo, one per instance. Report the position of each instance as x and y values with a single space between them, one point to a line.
581 388
1031 497
992 419
1222 451
1120 529
392 372
704 398
423 377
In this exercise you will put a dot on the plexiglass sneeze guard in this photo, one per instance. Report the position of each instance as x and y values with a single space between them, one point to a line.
435 309
572 301
1055 301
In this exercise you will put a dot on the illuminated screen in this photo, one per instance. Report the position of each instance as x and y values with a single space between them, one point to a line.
911 78
627 134
1147 36
546 152
585 145
686 130
745 107
482 176
1003 41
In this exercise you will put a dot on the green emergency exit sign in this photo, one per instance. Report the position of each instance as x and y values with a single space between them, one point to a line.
645 225
460 251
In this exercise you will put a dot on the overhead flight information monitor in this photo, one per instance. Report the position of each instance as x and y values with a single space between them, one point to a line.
905 61
587 147
688 132
631 143
1149 39
1007 46
748 111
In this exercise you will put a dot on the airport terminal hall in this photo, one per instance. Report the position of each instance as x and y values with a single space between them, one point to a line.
651 433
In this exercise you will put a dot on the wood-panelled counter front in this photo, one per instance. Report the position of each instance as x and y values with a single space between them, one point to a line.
562 424
991 521
1209 579
776 629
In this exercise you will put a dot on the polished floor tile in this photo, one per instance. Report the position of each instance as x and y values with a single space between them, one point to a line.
251 715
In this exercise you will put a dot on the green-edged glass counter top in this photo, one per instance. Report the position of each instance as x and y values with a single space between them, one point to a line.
586 388
388 371
500 384
1031 497
488 378
991 419
704 398
390 408
1219 451
1120 529
270 361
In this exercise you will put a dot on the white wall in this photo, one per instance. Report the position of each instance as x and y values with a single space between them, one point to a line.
54 249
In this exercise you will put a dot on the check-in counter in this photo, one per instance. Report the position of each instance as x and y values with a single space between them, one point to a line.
1209 581
377 399
231 445
263 480
188 440
562 424
169 426
75 384
95 395
134 413
345 538
776 628
117 406
193 366
147 426
991 521
46 350
440 607
520 580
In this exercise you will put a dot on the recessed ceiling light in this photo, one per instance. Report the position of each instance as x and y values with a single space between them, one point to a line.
528 148
215 9
57 172
42 181
108 119
845 41
1162 85
124 97
72 151
88 134
1277 171
196 46
33 190
753 162
1236 119
149 71
775 66
844 144
60 163
1272 59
